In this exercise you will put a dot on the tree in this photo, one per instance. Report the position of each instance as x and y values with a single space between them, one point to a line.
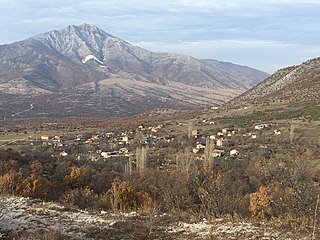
36 168
80 197
141 159
10 182
184 161
128 167
35 187
260 203
78 177
122 196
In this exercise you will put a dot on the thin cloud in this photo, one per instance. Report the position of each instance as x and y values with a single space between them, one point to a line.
264 55
210 24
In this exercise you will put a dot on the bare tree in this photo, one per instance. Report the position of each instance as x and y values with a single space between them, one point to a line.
292 127
208 150
128 167
190 128
315 219
184 160
141 158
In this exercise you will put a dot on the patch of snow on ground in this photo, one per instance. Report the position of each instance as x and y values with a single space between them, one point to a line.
27 214
24 213
219 229
201 229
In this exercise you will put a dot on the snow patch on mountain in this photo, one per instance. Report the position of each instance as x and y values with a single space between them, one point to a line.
89 57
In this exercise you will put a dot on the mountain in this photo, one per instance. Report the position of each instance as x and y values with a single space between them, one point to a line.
82 69
295 84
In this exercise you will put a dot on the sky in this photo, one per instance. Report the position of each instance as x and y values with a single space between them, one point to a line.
264 34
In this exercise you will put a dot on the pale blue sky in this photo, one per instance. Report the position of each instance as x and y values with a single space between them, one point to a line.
265 34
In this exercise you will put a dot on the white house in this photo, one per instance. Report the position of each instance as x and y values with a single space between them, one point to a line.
225 131
234 152
277 132
63 154
212 137
261 126
220 142
125 139
200 146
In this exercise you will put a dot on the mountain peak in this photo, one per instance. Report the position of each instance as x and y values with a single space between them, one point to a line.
85 27
88 26
78 42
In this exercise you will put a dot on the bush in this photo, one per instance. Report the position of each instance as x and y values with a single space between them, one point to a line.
80 197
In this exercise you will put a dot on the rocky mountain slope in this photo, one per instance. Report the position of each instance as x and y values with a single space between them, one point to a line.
60 64
289 85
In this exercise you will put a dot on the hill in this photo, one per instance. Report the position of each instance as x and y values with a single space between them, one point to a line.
291 85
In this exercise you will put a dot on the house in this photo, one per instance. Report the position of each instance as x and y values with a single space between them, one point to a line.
234 152
220 133
123 151
63 154
212 137
44 137
225 131
195 150
261 126
258 127
200 146
194 133
277 132
93 158
109 134
220 142
56 139
95 137
154 129
247 134
109 154
218 153
254 136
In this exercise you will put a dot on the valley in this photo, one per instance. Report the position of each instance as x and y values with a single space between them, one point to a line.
242 149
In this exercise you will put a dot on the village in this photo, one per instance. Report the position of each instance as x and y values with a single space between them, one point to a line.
203 138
